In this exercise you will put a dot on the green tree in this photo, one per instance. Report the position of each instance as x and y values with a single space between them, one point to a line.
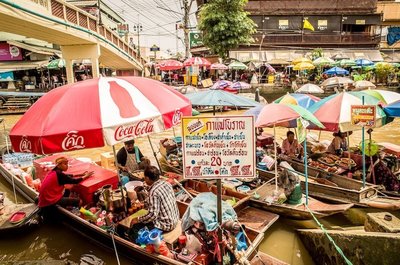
317 53
225 25
383 70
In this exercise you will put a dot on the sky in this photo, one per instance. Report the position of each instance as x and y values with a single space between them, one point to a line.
158 19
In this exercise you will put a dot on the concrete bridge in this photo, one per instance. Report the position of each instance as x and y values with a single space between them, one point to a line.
77 32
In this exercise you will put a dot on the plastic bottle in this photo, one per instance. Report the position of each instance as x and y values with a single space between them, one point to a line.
123 100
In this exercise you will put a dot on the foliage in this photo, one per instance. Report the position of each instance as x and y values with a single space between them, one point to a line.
317 53
225 25
383 70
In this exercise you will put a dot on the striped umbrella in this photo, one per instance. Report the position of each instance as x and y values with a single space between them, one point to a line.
322 61
363 62
385 96
221 84
218 66
200 61
303 100
309 88
169 65
334 111
237 66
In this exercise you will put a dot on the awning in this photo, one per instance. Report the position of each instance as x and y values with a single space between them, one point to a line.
290 55
35 48
391 56
20 65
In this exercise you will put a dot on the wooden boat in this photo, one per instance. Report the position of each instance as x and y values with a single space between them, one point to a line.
256 223
340 189
298 211
359 246
17 218
264 259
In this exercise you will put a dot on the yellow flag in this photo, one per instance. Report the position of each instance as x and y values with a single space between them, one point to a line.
307 25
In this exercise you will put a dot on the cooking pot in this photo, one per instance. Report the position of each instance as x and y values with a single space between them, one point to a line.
114 201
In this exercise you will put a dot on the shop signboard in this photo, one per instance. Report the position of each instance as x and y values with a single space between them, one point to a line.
10 52
195 39
154 48
363 115
218 147
122 29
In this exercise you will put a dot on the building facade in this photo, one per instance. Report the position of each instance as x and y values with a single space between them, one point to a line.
288 29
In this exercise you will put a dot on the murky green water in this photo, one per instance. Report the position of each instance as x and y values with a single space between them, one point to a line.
62 245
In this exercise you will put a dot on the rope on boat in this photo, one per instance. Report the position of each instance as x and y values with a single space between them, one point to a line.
338 249
111 230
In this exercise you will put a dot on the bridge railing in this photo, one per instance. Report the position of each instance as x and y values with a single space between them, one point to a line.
79 17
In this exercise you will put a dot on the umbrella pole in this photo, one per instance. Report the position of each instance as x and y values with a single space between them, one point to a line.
363 148
276 161
154 153
306 165
119 180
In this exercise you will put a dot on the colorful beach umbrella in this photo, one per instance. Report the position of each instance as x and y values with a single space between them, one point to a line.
309 88
336 81
301 60
363 84
236 65
347 63
363 62
323 61
393 109
218 66
334 111
200 61
240 85
95 112
336 71
56 64
303 100
303 66
221 84
169 65
385 96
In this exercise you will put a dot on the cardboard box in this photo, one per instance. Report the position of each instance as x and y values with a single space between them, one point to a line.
108 161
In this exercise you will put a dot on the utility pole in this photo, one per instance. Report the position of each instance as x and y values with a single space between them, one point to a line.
138 28
186 7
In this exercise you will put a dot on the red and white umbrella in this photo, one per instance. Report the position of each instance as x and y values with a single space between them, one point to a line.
169 65
94 112
200 61
218 66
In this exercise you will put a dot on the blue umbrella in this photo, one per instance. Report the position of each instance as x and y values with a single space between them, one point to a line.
254 111
336 71
393 109
363 62
220 98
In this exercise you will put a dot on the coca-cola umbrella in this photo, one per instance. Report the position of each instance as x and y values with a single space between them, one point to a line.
169 65
200 61
95 112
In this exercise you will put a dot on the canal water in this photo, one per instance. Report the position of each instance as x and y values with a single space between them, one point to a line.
62 245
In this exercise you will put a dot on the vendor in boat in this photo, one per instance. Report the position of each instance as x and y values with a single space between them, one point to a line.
161 205
290 146
339 143
130 158
53 192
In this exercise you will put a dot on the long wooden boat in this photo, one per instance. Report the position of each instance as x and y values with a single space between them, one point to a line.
28 220
256 223
298 211
339 189
359 246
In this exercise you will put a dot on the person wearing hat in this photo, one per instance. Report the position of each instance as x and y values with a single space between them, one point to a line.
53 192
130 158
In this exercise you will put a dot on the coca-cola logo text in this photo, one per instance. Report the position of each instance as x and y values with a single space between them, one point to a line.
176 119
25 145
73 141
141 128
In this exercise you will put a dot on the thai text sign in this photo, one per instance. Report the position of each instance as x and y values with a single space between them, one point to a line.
363 115
218 147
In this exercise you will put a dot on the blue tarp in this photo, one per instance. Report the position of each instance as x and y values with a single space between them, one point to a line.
393 35
7 76
203 208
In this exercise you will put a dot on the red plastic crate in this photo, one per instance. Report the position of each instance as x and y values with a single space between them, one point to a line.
88 187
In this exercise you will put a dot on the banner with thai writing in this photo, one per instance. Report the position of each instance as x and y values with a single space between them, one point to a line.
363 115
218 147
